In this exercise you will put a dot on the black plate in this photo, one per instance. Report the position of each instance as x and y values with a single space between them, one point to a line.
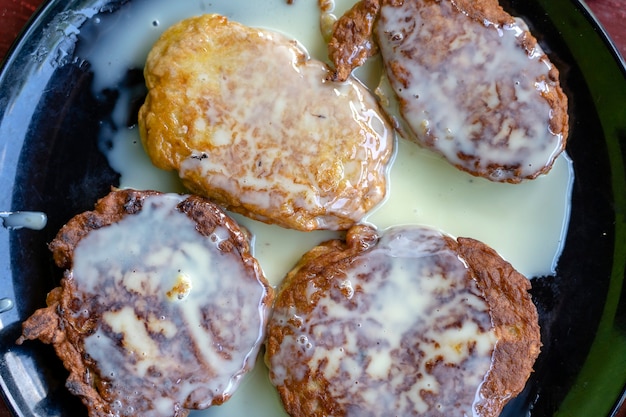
49 161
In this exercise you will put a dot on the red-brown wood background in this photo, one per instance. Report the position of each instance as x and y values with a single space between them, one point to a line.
15 13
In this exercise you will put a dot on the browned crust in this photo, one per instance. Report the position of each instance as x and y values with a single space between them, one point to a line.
319 267
514 318
108 210
56 325
120 203
492 11
352 40
47 325
352 43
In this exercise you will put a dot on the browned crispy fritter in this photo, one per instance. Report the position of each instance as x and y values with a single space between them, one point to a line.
141 318
329 324
353 39
471 81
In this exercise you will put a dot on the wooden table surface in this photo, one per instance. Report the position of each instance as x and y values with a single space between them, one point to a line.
15 13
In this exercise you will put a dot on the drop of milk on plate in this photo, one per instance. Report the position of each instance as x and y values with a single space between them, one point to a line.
526 223
34 220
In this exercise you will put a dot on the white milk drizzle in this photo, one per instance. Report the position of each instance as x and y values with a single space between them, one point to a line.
525 223
360 313
444 95
34 220
152 286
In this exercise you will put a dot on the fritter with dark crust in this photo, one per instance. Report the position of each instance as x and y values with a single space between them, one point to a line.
411 322
161 308
471 81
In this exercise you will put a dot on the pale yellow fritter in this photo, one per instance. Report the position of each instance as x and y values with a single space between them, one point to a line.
248 120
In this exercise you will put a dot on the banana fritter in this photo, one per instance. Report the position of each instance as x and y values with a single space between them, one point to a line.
161 308
247 119
411 322
471 81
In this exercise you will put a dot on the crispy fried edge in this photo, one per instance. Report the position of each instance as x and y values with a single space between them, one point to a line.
47 324
352 43
313 265
515 320
513 314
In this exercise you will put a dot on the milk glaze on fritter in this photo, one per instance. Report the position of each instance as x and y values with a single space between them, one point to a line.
411 322
247 119
161 308
471 81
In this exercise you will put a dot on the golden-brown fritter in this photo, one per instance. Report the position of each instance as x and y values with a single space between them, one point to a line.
409 322
471 82
247 119
161 308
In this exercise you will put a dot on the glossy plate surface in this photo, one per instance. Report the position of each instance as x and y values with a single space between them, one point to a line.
50 161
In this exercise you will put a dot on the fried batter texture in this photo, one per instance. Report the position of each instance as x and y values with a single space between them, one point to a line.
247 119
